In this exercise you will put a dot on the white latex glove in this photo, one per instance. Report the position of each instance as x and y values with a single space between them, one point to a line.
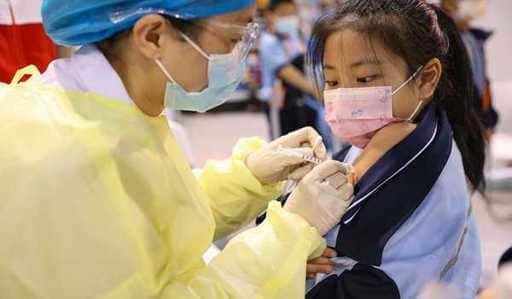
283 158
323 196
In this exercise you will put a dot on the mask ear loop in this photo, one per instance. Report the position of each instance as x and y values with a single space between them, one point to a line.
420 104
195 46
190 42
412 77
413 115
164 70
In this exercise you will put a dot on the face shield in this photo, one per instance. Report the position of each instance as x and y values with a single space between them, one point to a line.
246 35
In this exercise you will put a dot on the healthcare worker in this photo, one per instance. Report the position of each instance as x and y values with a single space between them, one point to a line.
465 13
281 49
97 200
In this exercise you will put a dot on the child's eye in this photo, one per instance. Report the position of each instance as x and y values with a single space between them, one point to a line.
366 79
331 83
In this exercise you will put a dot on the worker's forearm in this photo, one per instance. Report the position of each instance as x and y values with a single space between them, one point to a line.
293 76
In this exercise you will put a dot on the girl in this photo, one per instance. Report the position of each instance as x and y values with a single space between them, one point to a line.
397 86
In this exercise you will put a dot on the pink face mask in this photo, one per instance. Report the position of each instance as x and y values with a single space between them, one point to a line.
356 114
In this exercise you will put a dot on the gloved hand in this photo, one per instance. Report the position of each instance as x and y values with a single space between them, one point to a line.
323 196
283 158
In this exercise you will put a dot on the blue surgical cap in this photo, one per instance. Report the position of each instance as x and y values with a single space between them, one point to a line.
79 22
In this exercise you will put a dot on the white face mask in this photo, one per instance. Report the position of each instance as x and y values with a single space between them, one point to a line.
289 26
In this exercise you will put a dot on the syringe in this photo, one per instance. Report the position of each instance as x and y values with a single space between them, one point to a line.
291 185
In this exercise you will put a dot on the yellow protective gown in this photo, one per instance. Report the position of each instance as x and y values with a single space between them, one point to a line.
97 201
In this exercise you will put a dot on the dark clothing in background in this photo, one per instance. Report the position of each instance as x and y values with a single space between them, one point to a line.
475 40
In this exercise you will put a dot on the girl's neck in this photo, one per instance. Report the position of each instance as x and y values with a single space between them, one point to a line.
380 144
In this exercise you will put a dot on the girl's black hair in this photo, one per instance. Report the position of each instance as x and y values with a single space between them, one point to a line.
417 32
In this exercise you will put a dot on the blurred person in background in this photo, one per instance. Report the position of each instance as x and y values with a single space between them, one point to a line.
325 5
22 38
282 49
464 13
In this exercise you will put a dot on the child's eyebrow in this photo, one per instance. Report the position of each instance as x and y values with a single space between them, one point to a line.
365 61
356 64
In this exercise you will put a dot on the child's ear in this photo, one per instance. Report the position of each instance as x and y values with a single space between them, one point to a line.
428 79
